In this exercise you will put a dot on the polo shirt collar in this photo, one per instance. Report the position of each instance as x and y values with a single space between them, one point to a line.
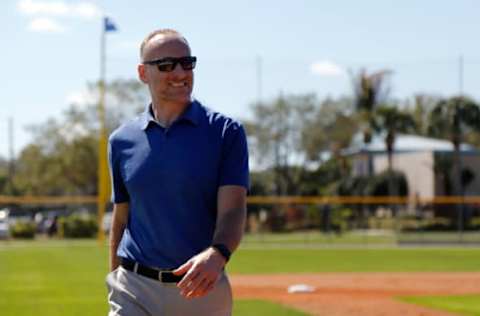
191 114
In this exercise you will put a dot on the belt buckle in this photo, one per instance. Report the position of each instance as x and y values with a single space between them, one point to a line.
160 278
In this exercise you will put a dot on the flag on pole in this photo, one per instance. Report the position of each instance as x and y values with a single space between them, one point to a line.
109 26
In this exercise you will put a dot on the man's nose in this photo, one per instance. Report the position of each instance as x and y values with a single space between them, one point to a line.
178 70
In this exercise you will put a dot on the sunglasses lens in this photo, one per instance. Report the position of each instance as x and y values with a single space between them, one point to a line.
167 66
188 63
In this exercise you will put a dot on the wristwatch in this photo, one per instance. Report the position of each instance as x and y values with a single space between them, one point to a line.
223 250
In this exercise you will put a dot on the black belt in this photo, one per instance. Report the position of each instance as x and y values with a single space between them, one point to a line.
159 275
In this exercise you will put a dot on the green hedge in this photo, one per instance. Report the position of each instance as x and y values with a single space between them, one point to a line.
78 226
23 230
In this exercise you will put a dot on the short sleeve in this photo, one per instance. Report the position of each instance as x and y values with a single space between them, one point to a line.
119 191
234 162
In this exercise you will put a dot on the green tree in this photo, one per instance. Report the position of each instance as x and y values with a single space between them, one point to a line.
391 120
276 139
291 137
420 107
58 163
325 137
124 99
330 130
3 175
62 158
370 90
452 119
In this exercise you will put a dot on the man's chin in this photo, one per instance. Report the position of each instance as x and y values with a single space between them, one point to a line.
181 100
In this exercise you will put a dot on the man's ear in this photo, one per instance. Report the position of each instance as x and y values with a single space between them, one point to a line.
141 73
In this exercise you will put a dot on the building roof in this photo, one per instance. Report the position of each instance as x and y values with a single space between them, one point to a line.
404 143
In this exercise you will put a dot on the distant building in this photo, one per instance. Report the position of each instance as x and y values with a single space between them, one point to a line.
421 159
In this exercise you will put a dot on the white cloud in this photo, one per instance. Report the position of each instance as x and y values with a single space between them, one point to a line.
30 7
86 10
59 8
327 68
45 25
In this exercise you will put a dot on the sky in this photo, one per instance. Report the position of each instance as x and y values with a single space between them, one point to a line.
247 50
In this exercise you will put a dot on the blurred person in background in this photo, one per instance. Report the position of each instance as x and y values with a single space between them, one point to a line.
52 226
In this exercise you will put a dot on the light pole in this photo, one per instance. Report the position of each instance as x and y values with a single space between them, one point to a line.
103 176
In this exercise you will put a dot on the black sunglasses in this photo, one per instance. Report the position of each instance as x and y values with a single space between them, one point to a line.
168 64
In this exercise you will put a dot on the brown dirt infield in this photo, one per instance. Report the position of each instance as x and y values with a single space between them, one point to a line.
365 294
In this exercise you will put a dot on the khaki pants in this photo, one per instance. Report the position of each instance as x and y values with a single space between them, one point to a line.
130 294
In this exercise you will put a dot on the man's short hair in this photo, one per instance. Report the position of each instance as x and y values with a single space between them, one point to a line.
156 32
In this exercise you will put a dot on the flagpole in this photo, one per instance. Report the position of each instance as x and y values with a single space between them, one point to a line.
103 189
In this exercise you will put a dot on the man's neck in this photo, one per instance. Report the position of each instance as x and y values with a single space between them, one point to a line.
167 113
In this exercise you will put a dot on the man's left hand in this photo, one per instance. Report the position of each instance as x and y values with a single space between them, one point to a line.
201 273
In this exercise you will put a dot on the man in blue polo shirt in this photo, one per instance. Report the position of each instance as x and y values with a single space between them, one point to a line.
179 177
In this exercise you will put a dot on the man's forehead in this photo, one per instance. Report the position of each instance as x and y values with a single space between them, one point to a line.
160 40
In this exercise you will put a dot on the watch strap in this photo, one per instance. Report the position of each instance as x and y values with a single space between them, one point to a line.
223 250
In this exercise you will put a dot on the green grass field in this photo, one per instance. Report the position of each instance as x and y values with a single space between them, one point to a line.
67 277
296 260
463 305
380 237
262 308
319 238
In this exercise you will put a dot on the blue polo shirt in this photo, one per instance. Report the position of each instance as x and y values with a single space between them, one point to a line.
170 177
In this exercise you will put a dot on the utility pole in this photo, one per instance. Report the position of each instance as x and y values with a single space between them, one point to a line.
460 75
459 185
11 160
259 78
103 177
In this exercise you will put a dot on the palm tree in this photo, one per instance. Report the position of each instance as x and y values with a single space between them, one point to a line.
391 120
370 89
452 118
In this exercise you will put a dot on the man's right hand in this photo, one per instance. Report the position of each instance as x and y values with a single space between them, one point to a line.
201 273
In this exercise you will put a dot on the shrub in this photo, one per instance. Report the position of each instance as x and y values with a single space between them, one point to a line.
23 230
78 226
379 184
340 219
376 185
